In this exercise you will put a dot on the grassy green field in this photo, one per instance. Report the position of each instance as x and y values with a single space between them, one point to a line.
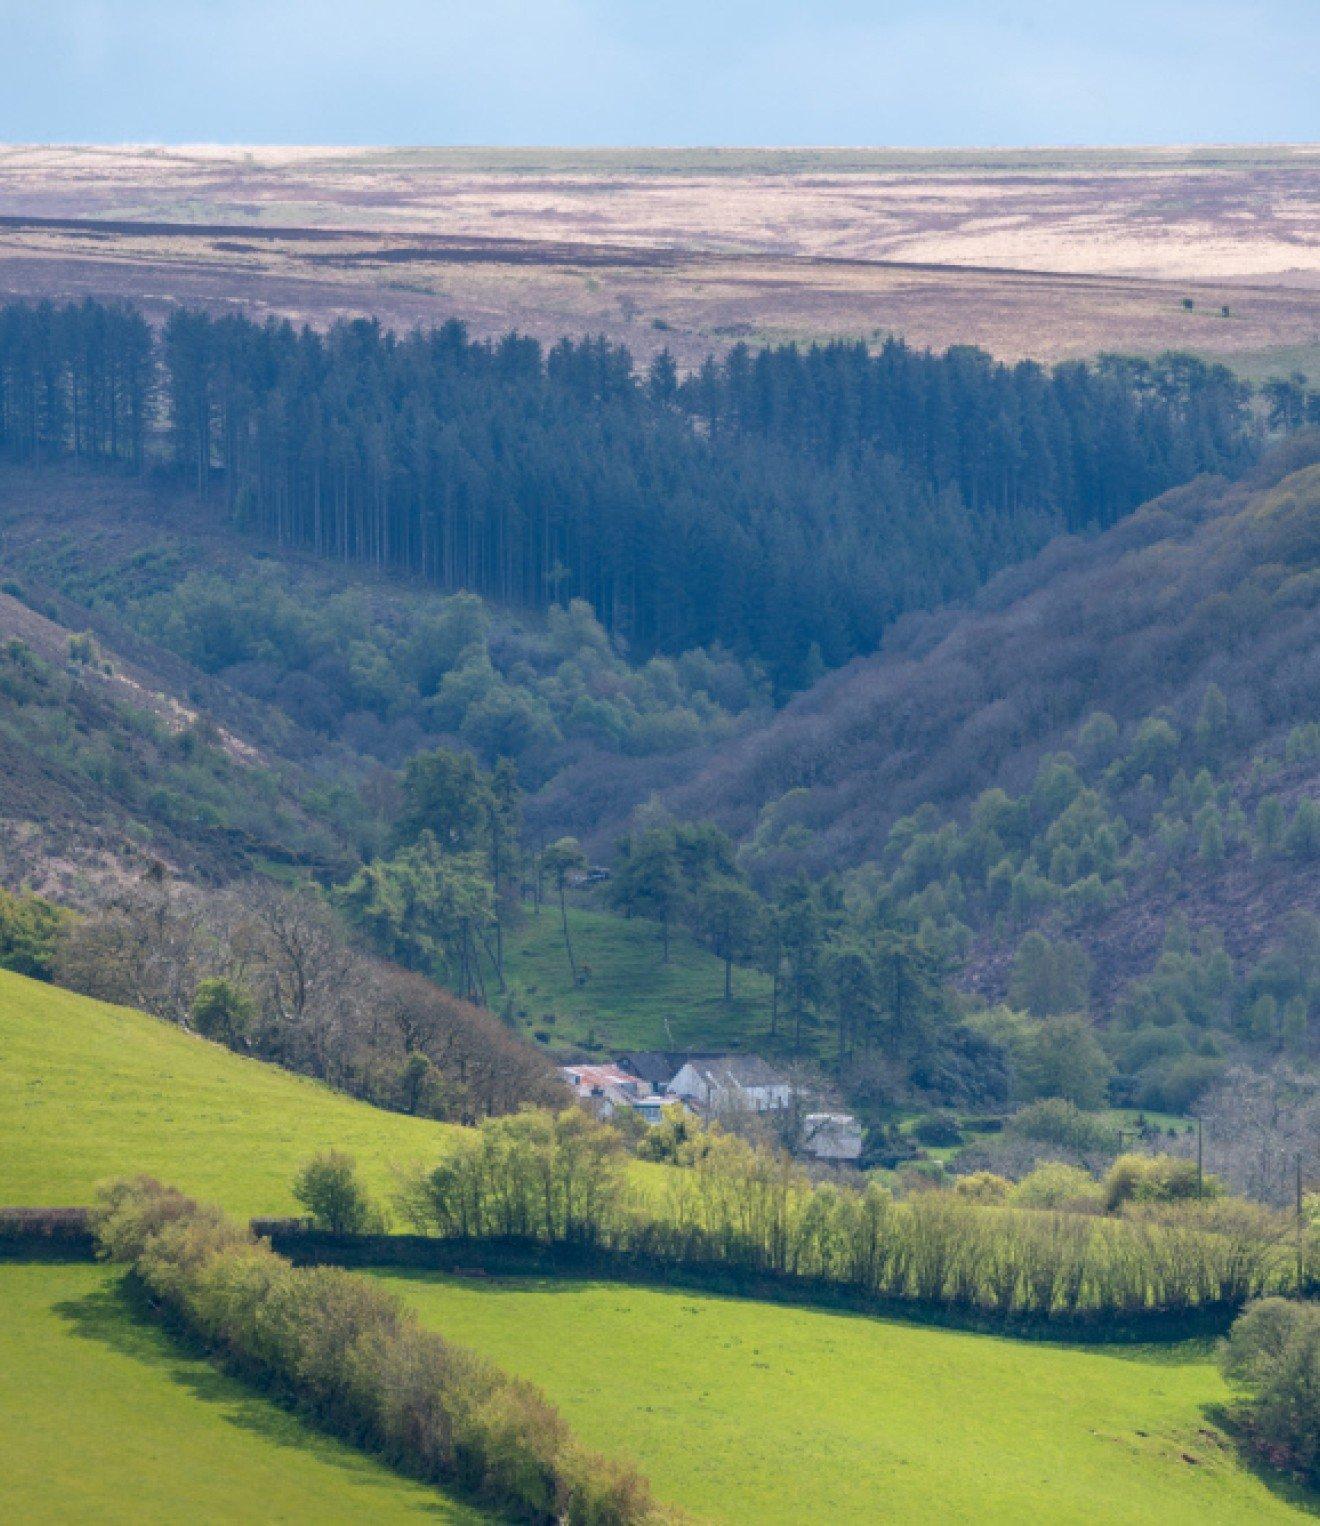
632 998
747 1412
89 1091
104 1418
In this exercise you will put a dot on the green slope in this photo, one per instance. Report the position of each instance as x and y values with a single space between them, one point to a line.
632 998
89 1091
747 1412
104 1418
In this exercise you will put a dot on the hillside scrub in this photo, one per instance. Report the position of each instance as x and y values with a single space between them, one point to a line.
85 753
557 1180
347 1352
1117 731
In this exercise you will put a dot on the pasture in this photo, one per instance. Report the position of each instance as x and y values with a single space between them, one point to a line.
632 998
747 1412
104 1417
89 1091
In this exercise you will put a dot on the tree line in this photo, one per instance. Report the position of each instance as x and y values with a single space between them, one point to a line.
78 380
559 1180
789 504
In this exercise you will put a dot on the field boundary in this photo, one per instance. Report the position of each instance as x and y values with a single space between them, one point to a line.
46 1234
65 1234
517 1258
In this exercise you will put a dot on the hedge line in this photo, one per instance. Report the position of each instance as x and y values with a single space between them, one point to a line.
351 1356
46 1234
560 1180
513 1257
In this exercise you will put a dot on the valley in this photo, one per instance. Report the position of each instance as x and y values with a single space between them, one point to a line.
659 804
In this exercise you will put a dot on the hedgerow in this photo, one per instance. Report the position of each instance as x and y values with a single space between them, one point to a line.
348 1353
557 1180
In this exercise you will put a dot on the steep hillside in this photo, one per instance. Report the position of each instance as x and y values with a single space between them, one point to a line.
108 761
89 1091
1173 660
330 672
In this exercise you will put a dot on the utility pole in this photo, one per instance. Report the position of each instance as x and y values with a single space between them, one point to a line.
1200 1159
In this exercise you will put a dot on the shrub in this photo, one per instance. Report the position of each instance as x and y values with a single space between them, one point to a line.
29 933
350 1355
938 1130
1273 1352
1057 1121
222 1011
1065 1060
1056 1185
1174 1085
329 1188
679 1139
1156 1179
983 1187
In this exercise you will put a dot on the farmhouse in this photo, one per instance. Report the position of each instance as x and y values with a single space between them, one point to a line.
603 1088
835 1138
736 1082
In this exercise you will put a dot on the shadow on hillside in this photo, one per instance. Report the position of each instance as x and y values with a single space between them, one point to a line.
118 1316
1281 1485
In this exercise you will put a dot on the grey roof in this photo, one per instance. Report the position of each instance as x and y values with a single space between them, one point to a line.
657 1066
832 1136
743 1070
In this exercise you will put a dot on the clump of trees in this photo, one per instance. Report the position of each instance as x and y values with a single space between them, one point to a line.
269 971
347 1353
384 674
847 977
329 1188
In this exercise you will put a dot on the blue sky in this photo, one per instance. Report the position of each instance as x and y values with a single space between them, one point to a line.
940 73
